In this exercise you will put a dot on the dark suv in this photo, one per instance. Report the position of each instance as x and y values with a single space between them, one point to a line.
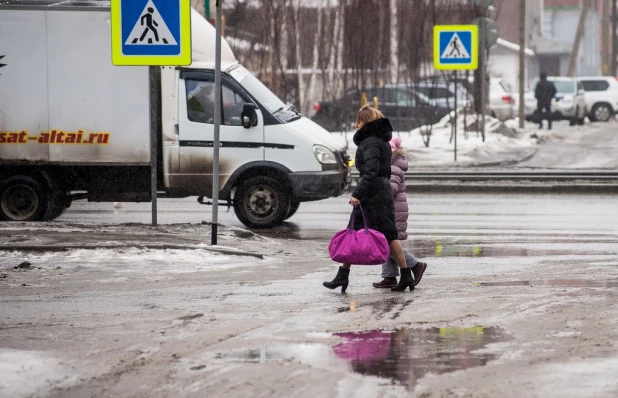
405 108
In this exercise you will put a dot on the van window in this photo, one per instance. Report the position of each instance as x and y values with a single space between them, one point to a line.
595 85
201 103
257 89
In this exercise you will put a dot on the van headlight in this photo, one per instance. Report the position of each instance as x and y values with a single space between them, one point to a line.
324 155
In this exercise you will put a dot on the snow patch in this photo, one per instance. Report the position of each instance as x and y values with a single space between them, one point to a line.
26 373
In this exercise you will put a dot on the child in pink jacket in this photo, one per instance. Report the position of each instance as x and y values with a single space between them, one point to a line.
390 269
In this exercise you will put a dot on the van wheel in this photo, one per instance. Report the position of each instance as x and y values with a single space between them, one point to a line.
294 205
261 202
23 199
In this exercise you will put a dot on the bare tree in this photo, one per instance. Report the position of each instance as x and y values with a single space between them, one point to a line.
336 48
314 66
394 30
300 94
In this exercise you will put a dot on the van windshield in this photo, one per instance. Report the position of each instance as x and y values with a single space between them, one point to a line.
257 89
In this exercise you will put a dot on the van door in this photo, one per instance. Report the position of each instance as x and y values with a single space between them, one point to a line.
238 145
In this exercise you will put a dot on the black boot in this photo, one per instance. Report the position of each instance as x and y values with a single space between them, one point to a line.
340 280
405 281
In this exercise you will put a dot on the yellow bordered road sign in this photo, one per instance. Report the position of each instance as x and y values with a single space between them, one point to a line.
151 32
455 47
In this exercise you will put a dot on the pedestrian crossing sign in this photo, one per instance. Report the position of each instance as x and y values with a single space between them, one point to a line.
151 32
455 47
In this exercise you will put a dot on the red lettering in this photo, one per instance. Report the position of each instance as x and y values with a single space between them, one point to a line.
59 137
2 138
70 138
22 137
52 139
103 138
44 138
92 137
80 133
13 137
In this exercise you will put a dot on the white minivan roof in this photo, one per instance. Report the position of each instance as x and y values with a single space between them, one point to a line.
203 36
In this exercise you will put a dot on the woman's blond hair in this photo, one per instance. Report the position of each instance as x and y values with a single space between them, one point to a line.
368 114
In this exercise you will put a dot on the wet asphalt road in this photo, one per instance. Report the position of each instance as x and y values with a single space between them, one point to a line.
519 300
487 214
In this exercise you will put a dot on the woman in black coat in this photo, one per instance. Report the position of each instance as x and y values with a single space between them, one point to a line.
373 192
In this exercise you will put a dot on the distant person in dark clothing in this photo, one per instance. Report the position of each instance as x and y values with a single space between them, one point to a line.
544 93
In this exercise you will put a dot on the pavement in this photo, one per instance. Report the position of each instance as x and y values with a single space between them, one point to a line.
519 298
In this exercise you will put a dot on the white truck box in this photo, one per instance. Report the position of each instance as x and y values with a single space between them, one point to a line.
60 87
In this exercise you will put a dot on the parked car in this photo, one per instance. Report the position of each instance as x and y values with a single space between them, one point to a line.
601 97
501 100
406 108
569 103
443 93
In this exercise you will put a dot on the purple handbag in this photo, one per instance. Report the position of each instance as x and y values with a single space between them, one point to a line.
363 247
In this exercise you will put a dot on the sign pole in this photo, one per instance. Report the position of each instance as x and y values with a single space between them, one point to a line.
482 45
455 129
215 156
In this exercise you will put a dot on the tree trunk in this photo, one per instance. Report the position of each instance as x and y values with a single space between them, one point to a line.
284 48
394 43
333 54
299 64
316 47
339 49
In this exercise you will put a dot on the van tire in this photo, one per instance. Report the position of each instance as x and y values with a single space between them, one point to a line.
261 202
23 198
294 205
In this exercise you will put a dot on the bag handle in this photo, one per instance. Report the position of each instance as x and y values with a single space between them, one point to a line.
353 218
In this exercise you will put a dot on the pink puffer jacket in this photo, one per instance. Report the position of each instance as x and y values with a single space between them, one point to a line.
399 165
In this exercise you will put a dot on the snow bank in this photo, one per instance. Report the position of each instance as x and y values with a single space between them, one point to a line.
27 373
499 137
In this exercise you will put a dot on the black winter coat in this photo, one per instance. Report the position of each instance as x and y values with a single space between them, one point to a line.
373 161
545 91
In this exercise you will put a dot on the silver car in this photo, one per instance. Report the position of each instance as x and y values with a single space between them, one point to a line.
569 103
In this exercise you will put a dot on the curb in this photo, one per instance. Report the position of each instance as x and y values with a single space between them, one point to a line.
63 248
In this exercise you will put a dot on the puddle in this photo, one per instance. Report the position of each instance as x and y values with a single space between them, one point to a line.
402 356
555 282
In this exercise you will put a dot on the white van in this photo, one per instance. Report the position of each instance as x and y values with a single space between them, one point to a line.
73 126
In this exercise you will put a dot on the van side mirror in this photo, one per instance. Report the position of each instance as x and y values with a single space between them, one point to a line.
249 116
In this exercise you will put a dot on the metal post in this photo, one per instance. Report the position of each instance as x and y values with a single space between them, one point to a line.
482 40
522 60
215 149
455 121
614 61
155 98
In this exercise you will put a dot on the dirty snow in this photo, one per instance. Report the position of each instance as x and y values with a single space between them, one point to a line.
27 373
